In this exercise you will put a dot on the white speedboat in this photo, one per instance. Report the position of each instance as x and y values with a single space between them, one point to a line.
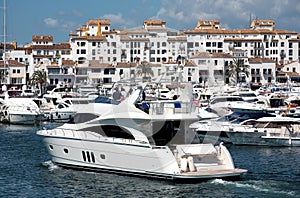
223 104
19 111
140 139
56 109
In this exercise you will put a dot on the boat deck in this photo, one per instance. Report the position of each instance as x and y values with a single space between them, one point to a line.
216 172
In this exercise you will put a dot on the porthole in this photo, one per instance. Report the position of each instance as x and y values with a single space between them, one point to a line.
102 156
50 147
66 151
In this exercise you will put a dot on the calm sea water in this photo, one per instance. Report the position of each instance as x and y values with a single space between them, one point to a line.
273 172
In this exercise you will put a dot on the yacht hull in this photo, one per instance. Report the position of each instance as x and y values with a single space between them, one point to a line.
27 119
246 138
123 157
282 141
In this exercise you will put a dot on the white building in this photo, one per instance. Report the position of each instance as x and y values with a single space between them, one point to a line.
102 54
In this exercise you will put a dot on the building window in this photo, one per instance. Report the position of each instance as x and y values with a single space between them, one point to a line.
16 80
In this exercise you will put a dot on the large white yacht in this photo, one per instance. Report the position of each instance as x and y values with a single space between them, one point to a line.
140 138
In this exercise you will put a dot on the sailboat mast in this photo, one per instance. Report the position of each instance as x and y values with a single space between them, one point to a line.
4 39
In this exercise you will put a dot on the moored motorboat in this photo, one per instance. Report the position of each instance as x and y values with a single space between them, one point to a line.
19 111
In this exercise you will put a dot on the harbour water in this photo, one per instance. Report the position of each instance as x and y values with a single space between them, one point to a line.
272 172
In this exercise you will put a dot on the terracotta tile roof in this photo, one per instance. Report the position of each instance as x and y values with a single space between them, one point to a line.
221 55
261 60
42 38
97 64
190 64
51 47
67 63
90 38
42 47
294 40
150 22
62 46
94 22
110 32
53 66
207 23
122 64
239 31
8 46
42 56
11 63
201 55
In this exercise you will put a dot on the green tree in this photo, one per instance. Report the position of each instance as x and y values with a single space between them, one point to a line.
39 77
144 69
237 67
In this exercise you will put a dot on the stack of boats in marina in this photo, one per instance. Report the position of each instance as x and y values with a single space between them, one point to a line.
141 138
272 119
23 109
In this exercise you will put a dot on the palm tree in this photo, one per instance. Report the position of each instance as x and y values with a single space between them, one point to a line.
39 77
235 68
144 69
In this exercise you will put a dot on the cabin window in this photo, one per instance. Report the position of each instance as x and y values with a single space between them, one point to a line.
111 131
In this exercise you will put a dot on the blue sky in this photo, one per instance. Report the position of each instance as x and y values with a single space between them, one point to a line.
58 17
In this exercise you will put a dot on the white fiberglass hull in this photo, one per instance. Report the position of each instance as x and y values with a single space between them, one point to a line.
21 119
87 152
